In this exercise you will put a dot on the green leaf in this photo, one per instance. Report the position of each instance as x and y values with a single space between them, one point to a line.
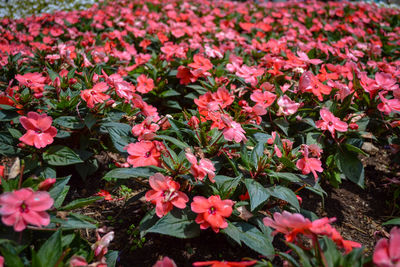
177 223
283 125
291 177
351 167
10 256
58 188
254 239
70 122
173 140
61 197
126 173
119 134
395 221
227 184
258 194
111 258
51 250
61 156
74 221
78 203
285 194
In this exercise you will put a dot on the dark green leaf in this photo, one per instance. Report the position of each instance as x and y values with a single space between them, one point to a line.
51 250
258 194
78 203
61 156
126 173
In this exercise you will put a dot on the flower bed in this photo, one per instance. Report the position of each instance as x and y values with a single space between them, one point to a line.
212 118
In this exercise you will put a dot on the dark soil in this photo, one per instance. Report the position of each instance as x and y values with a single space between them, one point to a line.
359 213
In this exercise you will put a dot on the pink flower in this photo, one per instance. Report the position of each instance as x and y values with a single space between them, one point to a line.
143 153
165 194
200 65
307 165
201 169
225 263
145 130
34 80
40 132
22 207
304 57
387 251
100 248
263 100
95 95
386 81
144 84
233 130
388 105
212 212
287 106
165 262
289 224
47 184
76 261
330 122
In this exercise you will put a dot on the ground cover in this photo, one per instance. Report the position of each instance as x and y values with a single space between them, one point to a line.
210 133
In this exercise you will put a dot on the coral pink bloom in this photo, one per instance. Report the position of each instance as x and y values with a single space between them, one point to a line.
143 153
307 165
165 194
288 224
386 81
233 130
34 80
46 184
263 99
145 130
95 95
144 84
201 169
76 261
100 248
212 212
330 122
287 106
304 57
388 105
200 65
40 132
225 263
165 262
309 83
387 252
22 207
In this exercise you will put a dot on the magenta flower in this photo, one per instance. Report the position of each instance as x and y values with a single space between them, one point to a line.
330 122
387 251
287 106
233 130
22 207
40 132
165 194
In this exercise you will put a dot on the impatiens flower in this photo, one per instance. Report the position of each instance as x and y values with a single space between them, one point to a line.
144 84
47 184
22 207
263 100
143 153
165 194
387 251
95 95
201 169
76 261
388 105
233 130
330 122
165 262
145 130
386 81
212 212
200 66
104 193
34 81
40 132
287 106
100 248
307 164
309 83
225 263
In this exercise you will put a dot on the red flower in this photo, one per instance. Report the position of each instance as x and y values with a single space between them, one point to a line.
40 132
165 262
143 153
47 184
212 212
104 193
200 65
22 207
165 194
